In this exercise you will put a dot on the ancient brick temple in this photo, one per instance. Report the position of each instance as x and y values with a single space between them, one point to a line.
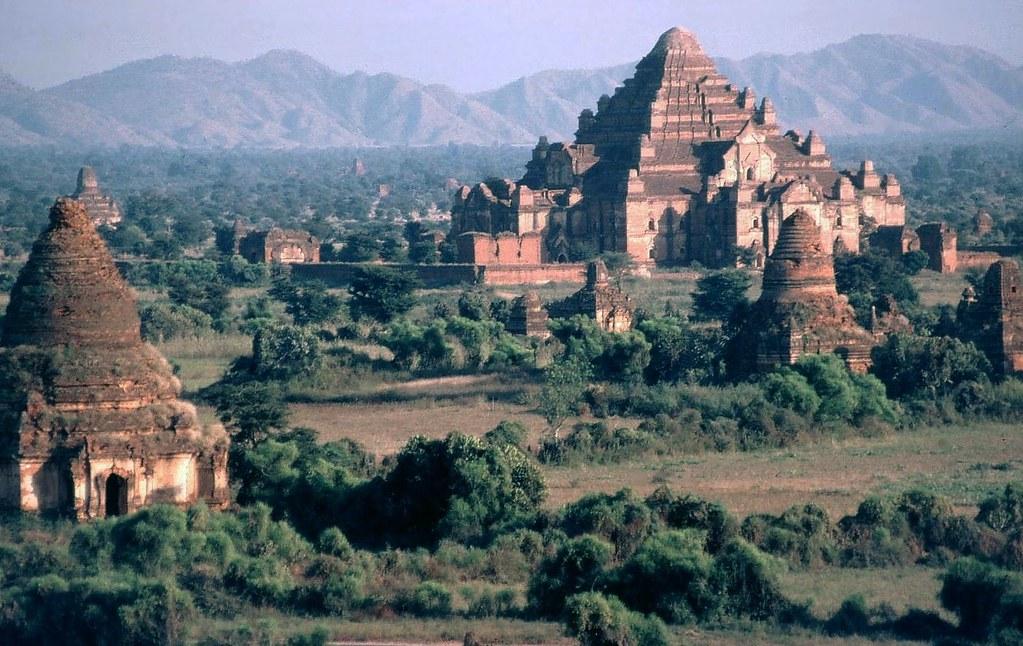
994 317
90 420
799 311
678 166
102 209
609 306
285 246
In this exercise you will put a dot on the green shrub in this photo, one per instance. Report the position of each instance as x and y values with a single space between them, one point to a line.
578 565
621 519
669 575
851 618
986 599
690 512
428 599
598 620
1003 512
284 351
746 581
165 321
802 535
332 541
507 433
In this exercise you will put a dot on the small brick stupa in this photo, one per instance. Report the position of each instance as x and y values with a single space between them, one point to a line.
90 420
102 209
800 311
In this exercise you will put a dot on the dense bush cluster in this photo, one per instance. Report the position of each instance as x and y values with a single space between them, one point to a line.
913 527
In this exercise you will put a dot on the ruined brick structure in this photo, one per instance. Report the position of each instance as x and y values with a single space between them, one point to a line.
994 318
678 166
609 306
938 240
894 240
505 248
90 420
284 246
799 310
102 209
528 317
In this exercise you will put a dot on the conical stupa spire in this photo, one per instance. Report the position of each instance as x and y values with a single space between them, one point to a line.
70 292
798 265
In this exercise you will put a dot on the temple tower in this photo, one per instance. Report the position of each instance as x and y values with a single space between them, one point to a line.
102 209
800 311
90 420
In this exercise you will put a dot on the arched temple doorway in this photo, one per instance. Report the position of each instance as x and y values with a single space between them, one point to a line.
116 495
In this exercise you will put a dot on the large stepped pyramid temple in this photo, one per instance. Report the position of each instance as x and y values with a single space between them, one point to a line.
91 423
678 166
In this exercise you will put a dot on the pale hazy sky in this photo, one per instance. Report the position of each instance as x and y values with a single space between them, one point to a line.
467 44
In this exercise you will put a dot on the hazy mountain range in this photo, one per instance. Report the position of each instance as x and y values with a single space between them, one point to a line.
868 84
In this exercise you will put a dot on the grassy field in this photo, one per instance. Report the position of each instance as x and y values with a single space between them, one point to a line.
938 289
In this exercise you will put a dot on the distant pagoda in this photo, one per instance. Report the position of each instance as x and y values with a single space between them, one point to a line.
90 420
678 166
102 209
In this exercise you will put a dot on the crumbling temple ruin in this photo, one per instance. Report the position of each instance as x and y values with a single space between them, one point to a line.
283 246
609 306
994 317
102 209
799 310
678 166
528 317
90 420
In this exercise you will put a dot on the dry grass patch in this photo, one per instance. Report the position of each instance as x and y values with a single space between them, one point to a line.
902 588
962 463
938 289
384 428
203 360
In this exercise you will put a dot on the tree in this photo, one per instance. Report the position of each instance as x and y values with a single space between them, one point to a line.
460 488
927 169
474 304
382 293
844 396
284 351
565 383
251 408
718 293
423 251
392 251
578 566
359 247
868 278
308 303
682 353
916 366
668 575
166 321
789 389
210 297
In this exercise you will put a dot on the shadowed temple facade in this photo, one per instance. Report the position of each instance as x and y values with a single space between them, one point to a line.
677 166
